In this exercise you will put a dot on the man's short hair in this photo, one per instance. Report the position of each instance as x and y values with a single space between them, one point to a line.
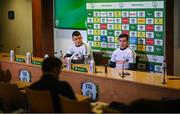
76 33
50 63
124 35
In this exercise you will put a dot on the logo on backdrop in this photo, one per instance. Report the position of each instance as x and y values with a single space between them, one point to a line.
24 75
89 89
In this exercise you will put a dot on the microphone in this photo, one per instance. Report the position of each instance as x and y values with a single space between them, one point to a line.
85 59
105 68
32 53
73 56
55 53
164 71
17 47
85 54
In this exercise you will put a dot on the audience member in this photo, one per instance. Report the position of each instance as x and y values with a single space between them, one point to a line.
122 56
79 51
155 106
51 68
147 106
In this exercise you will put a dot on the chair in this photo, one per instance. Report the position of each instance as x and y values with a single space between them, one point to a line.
73 106
97 57
39 101
2 75
11 98
137 61
82 98
8 76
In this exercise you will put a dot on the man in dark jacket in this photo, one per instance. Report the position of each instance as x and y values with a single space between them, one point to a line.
51 68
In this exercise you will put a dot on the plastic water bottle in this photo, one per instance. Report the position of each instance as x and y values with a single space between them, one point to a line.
68 65
28 57
46 56
12 56
92 66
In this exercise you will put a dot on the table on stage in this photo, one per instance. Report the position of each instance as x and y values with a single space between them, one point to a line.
111 86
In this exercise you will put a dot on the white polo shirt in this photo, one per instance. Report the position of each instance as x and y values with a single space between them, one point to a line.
125 55
81 50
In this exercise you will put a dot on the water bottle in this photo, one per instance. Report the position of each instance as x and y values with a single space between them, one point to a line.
12 56
68 65
46 56
92 66
28 58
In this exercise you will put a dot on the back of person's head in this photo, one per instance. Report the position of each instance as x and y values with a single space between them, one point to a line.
50 63
124 35
149 106
115 107
76 33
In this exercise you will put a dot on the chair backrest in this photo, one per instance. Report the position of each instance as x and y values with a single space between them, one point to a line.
10 97
73 106
8 76
97 57
39 101
2 75
137 61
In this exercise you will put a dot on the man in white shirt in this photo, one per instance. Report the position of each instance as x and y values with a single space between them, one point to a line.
122 56
79 52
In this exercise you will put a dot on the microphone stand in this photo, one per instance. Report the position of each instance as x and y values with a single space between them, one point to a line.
164 73
85 61
16 48
122 75
15 51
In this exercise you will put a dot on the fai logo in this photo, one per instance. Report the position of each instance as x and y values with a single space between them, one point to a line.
24 75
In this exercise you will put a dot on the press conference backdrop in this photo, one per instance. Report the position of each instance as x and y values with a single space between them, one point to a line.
70 14
143 20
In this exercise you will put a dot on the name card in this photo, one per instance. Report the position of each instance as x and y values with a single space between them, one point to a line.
80 69
37 62
20 60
